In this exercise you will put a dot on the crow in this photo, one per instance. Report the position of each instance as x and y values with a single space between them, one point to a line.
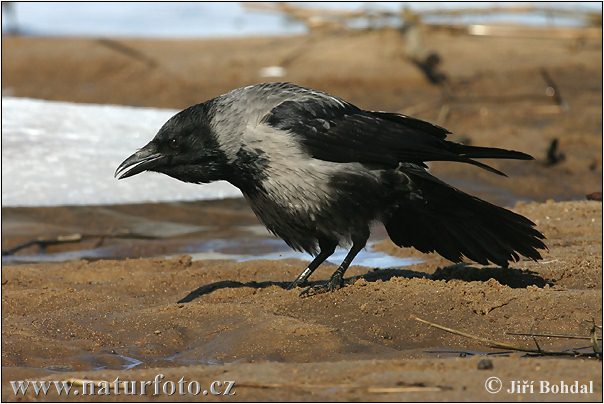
318 171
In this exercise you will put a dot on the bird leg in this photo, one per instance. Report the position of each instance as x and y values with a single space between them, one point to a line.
327 248
336 281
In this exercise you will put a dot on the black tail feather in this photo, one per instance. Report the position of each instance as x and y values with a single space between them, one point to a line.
476 152
465 154
457 225
485 167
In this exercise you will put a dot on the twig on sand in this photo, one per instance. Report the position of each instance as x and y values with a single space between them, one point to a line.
549 335
552 89
491 343
594 339
415 388
503 345
127 51
411 388
404 389
86 382
73 238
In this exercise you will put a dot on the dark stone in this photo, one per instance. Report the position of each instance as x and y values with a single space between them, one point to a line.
485 364
594 196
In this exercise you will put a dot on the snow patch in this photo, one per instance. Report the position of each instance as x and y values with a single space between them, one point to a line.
58 153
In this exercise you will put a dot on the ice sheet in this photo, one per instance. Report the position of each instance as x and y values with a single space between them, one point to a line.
57 153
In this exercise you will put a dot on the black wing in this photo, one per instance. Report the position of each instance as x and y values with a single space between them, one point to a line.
333 130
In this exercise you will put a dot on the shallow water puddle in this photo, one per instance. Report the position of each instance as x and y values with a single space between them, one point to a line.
238 249
131 363
367 257
95 361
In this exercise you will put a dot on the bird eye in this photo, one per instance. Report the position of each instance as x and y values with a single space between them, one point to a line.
173 143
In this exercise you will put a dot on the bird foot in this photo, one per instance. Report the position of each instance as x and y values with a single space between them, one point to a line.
296 284
334 283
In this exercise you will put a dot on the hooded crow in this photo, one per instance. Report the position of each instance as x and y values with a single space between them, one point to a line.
318 171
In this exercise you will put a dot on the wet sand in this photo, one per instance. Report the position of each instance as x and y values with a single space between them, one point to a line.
121 308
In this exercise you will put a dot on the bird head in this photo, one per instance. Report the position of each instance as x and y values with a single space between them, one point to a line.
184 148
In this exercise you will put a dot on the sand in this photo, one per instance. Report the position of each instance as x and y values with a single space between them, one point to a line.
126 310
219 320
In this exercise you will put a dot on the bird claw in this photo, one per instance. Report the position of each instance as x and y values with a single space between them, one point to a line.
314 290
334 283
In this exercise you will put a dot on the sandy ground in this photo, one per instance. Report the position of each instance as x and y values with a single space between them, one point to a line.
205 320
141 314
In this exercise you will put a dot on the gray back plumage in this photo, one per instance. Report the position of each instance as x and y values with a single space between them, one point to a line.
244 108
294 190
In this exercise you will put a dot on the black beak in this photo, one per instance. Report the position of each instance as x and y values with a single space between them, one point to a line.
145 159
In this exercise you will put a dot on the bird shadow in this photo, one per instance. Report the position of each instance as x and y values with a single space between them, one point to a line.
373 276
511 277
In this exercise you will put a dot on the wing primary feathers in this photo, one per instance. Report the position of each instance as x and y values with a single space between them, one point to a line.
342 133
